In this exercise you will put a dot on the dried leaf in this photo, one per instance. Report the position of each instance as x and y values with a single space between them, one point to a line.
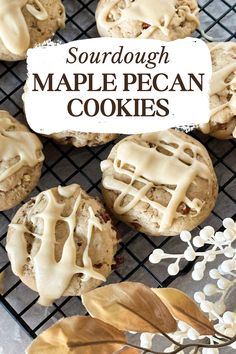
129 306
129 351
68 335
185 309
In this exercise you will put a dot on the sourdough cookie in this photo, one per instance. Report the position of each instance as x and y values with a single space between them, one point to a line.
61 243
21 161
79 139
159 183
158 19
222 123
26 23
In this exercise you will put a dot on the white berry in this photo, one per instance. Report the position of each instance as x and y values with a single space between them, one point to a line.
189 254
229 317
214 274
210 289
192 334
185 236
199 296
173 269
228 223
198 242
197 274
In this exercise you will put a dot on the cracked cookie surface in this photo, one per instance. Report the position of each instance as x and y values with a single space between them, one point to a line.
222 123
156 19
159 183
79 139
26 23
61 243
21 160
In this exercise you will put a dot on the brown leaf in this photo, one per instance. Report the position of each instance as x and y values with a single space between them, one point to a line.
130 351
68 335
145 313
183 308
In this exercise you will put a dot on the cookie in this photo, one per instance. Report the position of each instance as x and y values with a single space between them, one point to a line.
164 20
21 160
79 139
26 23
222 123
159 183
61 243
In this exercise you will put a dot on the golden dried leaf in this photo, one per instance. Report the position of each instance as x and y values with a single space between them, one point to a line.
69 335
130 351
129 306
185 309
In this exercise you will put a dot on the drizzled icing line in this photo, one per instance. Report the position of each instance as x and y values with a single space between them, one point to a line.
14 31
153 168
56 275
157 14
17 144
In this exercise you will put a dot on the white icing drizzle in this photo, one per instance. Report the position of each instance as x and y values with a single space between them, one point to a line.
154 168
155 13
52 277
40 14
14 31
21 144
219 84
218 78
191 16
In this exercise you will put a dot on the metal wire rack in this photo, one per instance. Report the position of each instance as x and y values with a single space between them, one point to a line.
65 165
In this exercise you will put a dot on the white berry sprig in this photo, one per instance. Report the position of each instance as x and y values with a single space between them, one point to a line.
220 243
212 299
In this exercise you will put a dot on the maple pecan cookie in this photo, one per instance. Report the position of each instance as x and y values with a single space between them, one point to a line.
26 23
61 243
159 183
79 139
21 160
164 20
222 124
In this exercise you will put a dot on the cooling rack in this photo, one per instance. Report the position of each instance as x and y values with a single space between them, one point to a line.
65 165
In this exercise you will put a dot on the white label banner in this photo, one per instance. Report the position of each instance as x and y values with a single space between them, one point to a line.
107 85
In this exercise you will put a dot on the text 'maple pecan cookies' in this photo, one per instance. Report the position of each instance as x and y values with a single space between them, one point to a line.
21 160
79 139
26 23
61 243
159 183
222 123
158 19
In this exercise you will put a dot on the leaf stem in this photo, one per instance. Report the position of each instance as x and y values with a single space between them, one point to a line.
222 335
176 351
201 345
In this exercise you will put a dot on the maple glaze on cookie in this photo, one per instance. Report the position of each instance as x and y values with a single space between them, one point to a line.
222 124
21 161
159 183
157 19
60 243
25 23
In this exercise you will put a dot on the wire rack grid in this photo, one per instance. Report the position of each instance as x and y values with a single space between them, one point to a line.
65 165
